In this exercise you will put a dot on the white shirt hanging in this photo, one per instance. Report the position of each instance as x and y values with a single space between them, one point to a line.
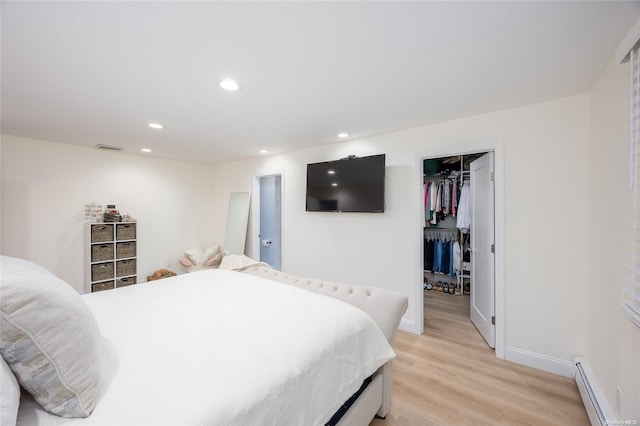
464 209
456 257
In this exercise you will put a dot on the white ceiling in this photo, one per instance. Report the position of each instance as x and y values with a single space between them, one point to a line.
92 73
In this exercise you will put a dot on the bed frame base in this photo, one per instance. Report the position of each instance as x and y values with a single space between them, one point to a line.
366 406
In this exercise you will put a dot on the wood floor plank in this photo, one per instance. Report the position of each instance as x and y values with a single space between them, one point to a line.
449 376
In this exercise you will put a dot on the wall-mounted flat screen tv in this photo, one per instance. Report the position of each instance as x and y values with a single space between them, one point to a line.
353 184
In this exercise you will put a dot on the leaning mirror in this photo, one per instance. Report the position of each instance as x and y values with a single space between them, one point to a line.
237 218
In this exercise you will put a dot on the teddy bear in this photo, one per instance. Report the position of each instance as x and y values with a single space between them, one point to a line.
161 273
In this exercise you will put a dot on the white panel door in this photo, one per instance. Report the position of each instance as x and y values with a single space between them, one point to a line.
482 304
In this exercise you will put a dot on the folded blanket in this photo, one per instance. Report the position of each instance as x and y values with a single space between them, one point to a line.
239 262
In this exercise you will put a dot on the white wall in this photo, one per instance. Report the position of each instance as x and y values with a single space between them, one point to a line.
612 341
45 186
545 163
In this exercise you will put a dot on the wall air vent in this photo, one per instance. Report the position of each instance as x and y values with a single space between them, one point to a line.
109 147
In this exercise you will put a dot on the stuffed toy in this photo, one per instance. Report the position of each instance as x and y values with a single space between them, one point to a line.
195 259
161 273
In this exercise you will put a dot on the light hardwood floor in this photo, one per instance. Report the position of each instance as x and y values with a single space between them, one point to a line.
449 376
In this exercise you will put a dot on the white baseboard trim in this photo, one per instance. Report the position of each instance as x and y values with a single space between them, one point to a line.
539 361
409 325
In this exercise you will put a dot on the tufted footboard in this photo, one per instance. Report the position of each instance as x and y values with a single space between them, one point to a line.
384 306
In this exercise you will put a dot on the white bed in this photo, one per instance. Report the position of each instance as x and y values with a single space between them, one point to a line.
220 347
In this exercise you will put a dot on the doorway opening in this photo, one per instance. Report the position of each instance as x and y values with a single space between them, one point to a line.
458 229
266 219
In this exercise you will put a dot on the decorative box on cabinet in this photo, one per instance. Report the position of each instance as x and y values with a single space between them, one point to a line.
111 252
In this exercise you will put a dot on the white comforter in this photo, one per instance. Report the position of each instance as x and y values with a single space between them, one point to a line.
224 348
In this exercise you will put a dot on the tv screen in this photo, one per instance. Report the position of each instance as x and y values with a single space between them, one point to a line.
354 184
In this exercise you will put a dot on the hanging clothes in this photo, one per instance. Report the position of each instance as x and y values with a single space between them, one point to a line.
446 198
429 246
464 209
452 270
427 218
445 259
441 197
438 252
437 256
437 202
454 197
456 257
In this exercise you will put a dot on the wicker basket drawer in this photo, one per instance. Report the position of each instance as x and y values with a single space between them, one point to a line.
105 285
102 271
101 232
125 267
124 250
126 231
101 252
123 282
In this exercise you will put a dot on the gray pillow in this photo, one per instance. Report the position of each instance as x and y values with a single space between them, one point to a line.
49 338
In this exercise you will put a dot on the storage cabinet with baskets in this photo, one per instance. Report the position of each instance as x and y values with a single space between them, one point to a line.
111 255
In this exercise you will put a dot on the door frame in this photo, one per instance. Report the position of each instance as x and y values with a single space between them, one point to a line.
498 149
255 214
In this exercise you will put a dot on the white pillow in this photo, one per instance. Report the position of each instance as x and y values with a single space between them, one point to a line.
194 254
194 259
49 338
212 257
186 262
9 395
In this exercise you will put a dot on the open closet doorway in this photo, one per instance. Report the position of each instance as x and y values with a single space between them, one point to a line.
266 219
458 240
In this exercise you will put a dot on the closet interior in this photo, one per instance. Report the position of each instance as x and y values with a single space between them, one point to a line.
447 222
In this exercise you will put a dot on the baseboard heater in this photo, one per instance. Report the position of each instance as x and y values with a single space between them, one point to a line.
593 400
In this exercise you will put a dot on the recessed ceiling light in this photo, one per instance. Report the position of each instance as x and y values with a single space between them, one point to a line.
334 184
228 84
331 172
264 151
156 126
145 149
343 135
